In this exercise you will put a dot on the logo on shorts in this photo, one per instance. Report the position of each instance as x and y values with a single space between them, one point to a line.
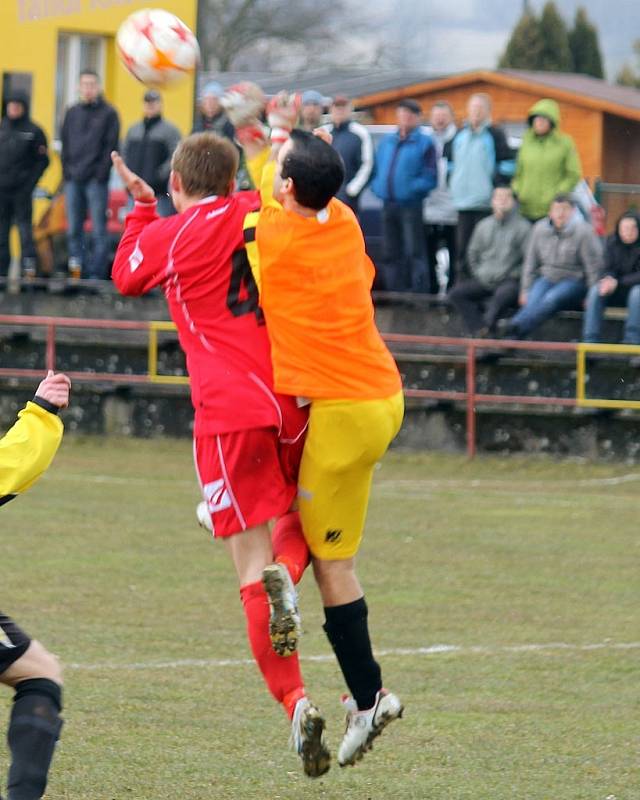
332 536
217 496
5 641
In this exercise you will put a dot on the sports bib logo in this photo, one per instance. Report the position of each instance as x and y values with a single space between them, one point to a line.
5 641
217 496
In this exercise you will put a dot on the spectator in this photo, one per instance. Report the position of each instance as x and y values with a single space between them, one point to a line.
212 116
90 132
620 282
148 147
23 159
405 174
353 142
477 155
439 212
548 163
311 110
496 253
567 255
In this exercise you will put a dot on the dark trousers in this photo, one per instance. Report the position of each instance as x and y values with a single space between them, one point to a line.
405 248
18 210
481 307
440 236
467 221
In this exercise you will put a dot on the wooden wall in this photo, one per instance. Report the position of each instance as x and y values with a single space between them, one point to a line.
621 165
509 105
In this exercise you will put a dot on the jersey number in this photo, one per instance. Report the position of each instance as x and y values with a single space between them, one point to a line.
242 284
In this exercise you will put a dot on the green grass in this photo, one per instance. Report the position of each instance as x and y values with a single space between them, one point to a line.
104 563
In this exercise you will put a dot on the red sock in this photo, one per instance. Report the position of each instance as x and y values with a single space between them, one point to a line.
289 545
281 674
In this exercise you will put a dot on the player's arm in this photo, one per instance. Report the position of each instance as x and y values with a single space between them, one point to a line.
30 445
141 258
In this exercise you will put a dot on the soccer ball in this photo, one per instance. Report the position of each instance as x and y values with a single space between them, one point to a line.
157 48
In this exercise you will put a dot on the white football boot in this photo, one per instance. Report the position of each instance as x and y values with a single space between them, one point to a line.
364 726
284 620
307 738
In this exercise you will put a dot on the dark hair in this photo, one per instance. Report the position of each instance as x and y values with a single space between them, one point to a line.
206 163
410 104
91 72
563 197
316 169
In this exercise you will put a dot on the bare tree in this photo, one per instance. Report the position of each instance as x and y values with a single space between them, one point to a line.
263 33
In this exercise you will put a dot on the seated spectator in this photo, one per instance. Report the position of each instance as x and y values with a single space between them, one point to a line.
566 255
495 256
620 282
405 174
548 162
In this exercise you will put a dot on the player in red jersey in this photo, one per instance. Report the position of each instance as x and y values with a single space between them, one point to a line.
247 439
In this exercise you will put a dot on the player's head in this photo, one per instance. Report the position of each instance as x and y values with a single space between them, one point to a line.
309 171
203 165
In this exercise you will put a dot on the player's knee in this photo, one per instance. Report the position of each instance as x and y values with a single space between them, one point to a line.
42 664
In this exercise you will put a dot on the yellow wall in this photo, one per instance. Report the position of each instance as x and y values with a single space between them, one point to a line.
28 43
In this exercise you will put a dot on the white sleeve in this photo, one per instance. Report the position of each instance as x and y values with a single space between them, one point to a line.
362 176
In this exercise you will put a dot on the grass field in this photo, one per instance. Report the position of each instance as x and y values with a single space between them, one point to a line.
504 598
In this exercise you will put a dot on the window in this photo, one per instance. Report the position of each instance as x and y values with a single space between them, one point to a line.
75 53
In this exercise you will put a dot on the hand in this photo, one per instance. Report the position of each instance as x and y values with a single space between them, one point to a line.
607 285
323 133
522 299
137 188
282 115
55 389
244 103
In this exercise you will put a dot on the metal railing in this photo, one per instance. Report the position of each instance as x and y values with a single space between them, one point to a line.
470 396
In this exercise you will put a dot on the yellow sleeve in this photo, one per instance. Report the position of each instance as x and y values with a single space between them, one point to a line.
256 165
251 246
27 449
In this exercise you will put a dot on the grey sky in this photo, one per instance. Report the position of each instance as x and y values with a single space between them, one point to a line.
457 35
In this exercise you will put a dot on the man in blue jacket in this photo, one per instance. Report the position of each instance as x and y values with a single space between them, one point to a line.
405 174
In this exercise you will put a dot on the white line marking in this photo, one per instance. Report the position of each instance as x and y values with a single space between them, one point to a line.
432 650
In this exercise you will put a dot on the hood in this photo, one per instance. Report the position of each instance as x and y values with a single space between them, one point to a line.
628 215
545 108
16 96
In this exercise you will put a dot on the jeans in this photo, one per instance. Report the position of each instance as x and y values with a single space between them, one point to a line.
623 295
481 307
80 195
16 208
164 208
545 299
405 249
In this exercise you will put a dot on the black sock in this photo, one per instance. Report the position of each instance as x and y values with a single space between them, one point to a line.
34 729
348 632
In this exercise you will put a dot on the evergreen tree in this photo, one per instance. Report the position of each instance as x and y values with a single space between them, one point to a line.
524 48
556 55
627 75
585 50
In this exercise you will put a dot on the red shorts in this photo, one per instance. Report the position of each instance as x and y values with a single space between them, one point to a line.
247 477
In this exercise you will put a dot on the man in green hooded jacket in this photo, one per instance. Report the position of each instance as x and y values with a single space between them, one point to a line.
548 162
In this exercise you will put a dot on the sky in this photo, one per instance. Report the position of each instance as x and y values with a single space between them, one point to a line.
443 37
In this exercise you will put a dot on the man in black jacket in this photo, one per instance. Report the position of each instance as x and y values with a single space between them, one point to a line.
89 133
23 159
148 147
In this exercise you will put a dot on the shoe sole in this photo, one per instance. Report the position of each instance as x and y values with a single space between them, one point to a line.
316 758
384 720
284 628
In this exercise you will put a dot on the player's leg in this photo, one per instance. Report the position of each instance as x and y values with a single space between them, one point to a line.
229 468
35 724
344 442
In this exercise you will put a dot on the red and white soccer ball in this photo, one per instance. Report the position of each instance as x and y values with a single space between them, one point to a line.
157 48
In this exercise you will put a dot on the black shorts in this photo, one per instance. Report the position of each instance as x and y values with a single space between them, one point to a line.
13 642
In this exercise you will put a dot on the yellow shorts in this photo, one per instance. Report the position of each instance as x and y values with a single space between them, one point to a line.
344 441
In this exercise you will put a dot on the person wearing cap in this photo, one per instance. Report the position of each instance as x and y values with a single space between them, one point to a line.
23 159
353 142
212 116
148 147
548 162
405 174
312 106
90 132
478 157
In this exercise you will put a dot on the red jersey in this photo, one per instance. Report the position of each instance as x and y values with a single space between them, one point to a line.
199 258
